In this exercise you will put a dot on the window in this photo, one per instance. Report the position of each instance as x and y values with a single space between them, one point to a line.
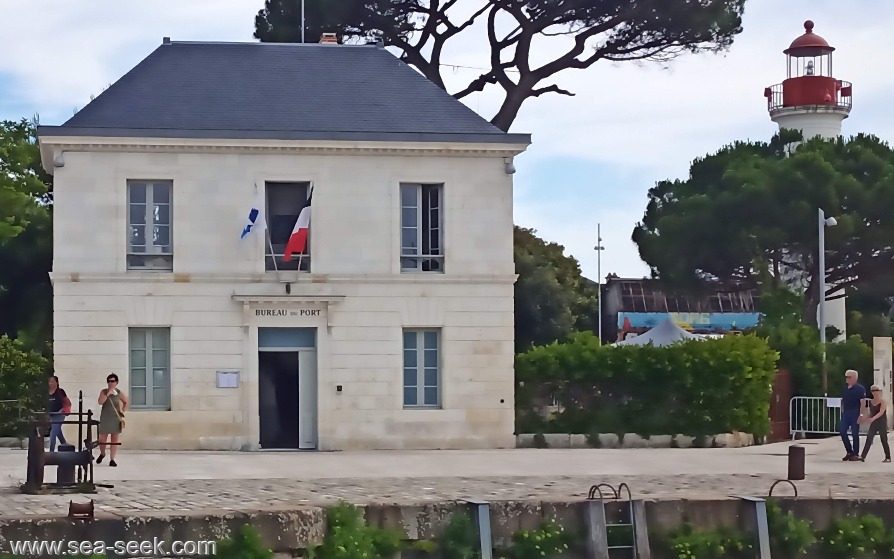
150 368
284 202
421 228
149 245
421 369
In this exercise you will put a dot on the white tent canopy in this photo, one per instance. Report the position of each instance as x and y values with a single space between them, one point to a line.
664 334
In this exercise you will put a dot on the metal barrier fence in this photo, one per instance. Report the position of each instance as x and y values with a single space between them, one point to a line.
816 416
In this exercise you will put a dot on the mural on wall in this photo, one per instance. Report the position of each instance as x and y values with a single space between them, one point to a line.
700 322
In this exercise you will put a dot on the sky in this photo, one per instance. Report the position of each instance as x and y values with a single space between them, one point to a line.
593 156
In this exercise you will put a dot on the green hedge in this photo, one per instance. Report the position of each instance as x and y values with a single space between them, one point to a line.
698 387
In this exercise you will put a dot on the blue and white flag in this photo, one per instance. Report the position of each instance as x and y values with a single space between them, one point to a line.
255 218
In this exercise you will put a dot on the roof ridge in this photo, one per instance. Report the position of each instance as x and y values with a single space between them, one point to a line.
259 43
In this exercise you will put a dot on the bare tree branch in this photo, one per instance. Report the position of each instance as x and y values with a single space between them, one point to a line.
550 89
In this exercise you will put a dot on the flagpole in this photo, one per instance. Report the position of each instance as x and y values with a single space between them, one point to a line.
267 235
272 252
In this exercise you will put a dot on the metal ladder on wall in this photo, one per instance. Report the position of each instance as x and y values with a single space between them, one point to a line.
602 541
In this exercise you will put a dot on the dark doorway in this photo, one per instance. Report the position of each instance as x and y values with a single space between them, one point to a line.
278 393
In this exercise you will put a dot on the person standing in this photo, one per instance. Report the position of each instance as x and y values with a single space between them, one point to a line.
878 423
851 405
111 418
58 407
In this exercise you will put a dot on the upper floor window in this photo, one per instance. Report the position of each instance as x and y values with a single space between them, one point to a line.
285 201
149 235
421 228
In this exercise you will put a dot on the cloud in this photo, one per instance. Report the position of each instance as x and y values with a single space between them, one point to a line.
79 48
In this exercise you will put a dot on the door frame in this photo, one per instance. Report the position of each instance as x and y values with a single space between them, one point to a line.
307 356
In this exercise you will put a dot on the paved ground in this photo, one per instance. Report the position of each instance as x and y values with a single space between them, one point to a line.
181 482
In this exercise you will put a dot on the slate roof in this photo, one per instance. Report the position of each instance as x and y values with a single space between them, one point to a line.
278 91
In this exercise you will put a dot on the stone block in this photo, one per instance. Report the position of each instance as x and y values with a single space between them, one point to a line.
684 441
10 442
609 440
579 441
632 440
734 440
660 441
558 440
524 440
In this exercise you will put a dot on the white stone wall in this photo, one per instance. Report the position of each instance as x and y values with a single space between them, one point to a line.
812 121
354 247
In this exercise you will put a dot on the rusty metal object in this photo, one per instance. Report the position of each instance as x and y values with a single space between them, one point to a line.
67 459
83 511
777 482
613 493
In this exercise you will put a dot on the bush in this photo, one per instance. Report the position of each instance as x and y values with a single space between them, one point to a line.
23 376
697 387
849 354
800 352
246 544
723 543
790 537
349 537
854 538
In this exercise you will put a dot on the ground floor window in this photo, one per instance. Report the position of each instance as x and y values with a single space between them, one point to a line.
150 368
422 371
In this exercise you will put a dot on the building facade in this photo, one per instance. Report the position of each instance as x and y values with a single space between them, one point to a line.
392 329
635 306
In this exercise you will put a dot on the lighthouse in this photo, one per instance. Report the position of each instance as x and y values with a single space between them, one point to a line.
810 99
813 101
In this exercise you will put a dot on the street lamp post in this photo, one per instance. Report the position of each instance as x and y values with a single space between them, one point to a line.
823 222
599 248
302 21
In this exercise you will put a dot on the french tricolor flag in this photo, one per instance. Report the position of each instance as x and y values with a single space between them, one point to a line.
298 240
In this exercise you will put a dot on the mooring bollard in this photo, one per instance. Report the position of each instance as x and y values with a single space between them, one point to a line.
796 462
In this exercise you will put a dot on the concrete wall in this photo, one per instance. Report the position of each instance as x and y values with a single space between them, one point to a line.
290 529
354 246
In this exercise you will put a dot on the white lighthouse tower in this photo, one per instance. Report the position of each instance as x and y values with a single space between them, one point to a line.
813 101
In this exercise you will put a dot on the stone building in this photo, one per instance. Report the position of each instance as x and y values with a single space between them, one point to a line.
393 328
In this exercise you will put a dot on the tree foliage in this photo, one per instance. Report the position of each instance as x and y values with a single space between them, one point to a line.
748 214
589 30
22 378
552 298
699 387
26 238
22 180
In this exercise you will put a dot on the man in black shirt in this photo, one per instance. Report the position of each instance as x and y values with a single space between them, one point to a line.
851 405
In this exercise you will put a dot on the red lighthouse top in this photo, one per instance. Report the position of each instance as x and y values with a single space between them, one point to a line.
808 44
809 82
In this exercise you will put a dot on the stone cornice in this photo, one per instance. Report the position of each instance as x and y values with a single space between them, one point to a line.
54 146
296 278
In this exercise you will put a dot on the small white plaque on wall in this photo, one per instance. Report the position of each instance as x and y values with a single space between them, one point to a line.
228 379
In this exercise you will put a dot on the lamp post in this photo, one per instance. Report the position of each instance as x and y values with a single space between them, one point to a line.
823 222
302 21
599 248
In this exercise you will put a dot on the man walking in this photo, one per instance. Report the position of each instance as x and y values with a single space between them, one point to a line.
851 405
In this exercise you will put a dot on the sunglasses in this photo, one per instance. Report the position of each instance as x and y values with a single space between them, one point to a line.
111 381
